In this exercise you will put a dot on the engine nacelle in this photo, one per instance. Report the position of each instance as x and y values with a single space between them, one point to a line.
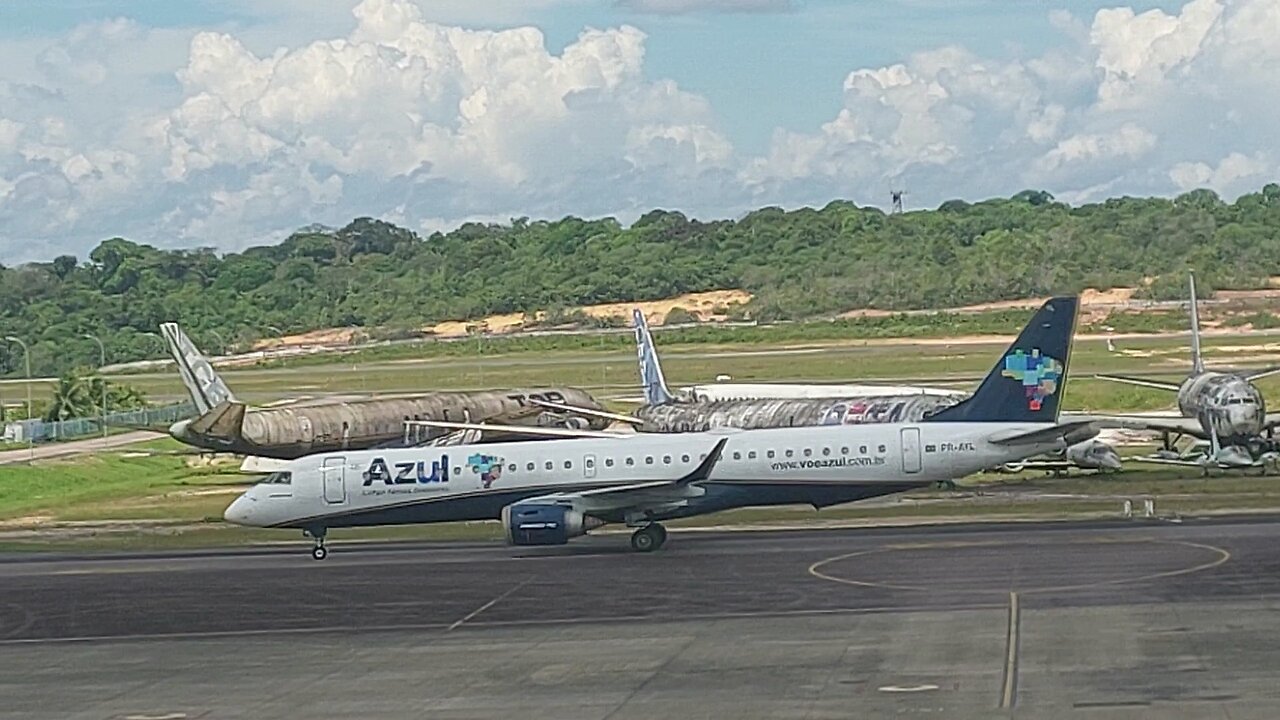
544 523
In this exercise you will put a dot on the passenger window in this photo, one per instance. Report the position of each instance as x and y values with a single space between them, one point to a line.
826 451
844 450
881 448
666 459
550 465
684 458
770 453
863 450
631 461
751 455
608 462
457 471
511 467
648 460
737 455
568 465
529 467
790 452
807 452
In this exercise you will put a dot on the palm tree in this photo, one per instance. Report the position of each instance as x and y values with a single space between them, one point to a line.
72 398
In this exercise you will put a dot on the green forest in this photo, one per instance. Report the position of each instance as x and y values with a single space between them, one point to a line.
799 264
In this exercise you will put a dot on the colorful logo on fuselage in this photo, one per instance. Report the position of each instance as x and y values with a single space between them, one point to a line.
488 466
1038 374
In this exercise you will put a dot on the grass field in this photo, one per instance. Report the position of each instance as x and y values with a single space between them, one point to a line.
612 373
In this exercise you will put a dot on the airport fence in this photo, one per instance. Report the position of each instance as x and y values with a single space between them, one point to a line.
39 431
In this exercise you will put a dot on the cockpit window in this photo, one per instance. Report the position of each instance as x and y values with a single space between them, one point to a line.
279 478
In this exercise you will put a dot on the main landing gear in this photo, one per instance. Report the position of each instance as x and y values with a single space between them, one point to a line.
318 552
648 538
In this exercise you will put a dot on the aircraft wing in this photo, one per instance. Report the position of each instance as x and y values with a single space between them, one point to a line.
1152 460
590 412
513 432
1069 432
1155 423
647 495
1140 382
1271 420
1038 465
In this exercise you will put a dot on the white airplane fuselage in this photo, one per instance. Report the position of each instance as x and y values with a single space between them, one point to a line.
812 465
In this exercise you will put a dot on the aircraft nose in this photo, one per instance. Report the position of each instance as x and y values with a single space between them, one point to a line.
240 511
1110 460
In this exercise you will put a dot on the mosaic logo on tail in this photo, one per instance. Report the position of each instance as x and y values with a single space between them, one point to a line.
1040 375
488 466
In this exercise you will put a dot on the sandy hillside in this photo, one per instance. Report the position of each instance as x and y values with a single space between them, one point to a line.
706 306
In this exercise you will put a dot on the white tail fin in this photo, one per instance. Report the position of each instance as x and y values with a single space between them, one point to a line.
1197 362
206 388
655 386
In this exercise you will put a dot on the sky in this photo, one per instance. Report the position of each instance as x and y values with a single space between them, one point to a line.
232 123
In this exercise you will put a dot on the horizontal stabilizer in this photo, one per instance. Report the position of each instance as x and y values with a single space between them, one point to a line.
223 421
1069 433
1141 382
525 430
589 412
1258 375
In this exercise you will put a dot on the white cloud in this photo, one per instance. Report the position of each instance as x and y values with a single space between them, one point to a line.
178 137
1135 103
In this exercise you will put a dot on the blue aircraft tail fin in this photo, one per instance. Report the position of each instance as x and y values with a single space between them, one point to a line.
1026 384
655 386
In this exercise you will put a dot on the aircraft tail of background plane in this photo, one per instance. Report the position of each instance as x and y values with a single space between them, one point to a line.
206 387
655 385
1026 384
1197 360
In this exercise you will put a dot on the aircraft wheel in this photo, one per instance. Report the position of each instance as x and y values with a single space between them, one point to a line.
319 553
648 538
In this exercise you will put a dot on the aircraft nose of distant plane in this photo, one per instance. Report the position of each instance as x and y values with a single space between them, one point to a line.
1109 460
241 510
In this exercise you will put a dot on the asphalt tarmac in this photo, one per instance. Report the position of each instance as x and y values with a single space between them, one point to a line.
1037 620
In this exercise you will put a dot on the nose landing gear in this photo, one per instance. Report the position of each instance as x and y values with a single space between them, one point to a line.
318 552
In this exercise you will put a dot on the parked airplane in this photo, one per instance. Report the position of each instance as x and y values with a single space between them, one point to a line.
665 412
657 392
548 492
227 425
1087 455
792 405
1225 407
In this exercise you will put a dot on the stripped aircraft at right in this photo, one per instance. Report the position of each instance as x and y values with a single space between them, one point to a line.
1223 408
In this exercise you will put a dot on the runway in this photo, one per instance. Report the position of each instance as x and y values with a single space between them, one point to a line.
1046 620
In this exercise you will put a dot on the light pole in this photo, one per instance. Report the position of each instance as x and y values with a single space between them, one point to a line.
279 342
102 376
26 356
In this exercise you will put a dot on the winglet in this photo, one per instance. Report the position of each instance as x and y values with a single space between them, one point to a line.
205 386
1026 383
656 391
703 471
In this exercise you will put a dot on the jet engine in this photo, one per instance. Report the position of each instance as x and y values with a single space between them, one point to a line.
545 523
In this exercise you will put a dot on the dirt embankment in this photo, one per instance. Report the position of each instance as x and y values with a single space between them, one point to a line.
711 306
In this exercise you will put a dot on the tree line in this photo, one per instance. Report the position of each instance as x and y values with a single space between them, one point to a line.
799 264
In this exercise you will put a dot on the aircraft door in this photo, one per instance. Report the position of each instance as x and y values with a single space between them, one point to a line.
911 450
588 466
335 486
